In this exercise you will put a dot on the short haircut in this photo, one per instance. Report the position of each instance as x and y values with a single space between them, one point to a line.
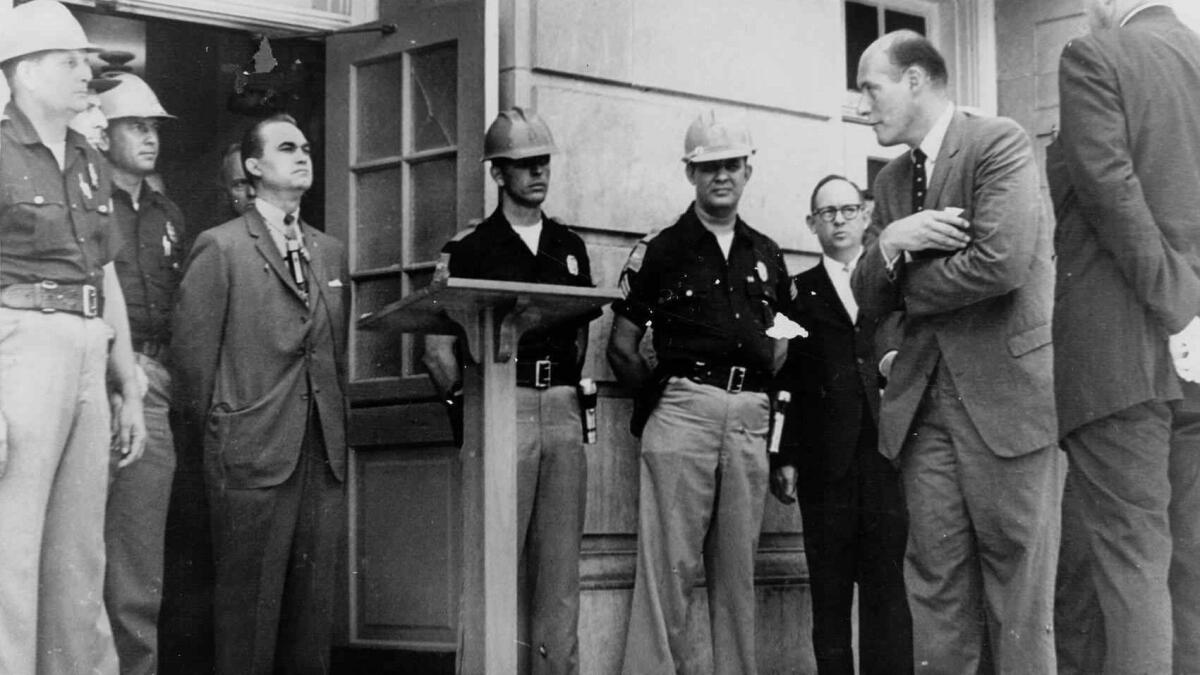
812 202
910 48
252 140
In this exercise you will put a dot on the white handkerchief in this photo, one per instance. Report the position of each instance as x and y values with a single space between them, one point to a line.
336 283
785 329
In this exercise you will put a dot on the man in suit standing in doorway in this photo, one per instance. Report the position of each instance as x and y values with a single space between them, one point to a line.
849 494
259 339
1127 194
959 244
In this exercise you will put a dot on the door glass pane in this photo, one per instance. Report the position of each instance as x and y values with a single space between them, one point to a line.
893 20
435 214
377 354
379 123
380 219
432 95
416 343
862 28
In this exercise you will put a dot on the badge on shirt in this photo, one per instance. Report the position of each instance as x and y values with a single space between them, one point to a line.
92 176
84 187
572 265
761 269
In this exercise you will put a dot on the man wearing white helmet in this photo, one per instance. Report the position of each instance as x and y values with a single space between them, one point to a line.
712 286
56 280
149 265
519 242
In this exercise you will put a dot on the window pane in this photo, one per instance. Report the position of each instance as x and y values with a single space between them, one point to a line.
893 20
862 28
416 343
432 96
435 213
377 354
379 123
380 214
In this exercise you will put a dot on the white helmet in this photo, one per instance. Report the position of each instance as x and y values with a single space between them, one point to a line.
39 26
709 139
133 98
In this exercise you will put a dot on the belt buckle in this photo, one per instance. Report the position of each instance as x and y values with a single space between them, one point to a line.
541 373
91 301
737 380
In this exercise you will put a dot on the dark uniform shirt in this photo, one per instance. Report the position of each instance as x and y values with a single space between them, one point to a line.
702 307
54 224
149 265
493 250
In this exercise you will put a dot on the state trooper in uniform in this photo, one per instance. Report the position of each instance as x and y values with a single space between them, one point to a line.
518 242
149 267
712 286
62 327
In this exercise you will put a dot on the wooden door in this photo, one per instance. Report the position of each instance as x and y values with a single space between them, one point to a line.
405 119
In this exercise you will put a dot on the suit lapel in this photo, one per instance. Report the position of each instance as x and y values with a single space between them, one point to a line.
316 267
947 160
823 287
256 226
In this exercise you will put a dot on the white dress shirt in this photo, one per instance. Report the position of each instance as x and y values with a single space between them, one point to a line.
839 274
274 217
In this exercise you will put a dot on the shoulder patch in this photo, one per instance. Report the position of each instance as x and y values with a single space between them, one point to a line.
441 272
633 264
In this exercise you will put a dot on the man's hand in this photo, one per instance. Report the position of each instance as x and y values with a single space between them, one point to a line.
925 230
783 484
128 428
1185 351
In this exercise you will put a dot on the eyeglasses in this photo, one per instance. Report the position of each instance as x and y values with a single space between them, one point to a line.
848 211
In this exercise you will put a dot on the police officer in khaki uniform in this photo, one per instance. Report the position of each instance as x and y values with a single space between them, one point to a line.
519 242
712 286
62 327
149 267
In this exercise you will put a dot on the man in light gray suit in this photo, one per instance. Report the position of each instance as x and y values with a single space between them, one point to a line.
959 245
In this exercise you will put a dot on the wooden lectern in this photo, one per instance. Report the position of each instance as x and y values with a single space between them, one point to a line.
493 315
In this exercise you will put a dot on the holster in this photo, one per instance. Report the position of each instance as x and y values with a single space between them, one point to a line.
644 402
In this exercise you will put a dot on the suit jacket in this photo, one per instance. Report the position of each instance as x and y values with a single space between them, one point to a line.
985 310
1125 177
833 377
247 346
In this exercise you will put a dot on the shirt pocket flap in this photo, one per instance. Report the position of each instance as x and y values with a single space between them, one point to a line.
1028 340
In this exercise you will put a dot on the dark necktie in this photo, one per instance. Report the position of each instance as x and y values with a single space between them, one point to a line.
295 252
919 183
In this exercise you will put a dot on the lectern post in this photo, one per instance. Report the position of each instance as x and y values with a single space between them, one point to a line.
492 316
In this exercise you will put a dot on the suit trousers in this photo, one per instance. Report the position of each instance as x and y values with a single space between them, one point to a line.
275 552
854 532
134 526
52 395
1129 575
982 544
551 499
703 483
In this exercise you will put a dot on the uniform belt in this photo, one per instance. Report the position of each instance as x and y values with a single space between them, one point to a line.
48 296
733 379
153 349
544 373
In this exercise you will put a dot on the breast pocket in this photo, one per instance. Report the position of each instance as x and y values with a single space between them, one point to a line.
37 219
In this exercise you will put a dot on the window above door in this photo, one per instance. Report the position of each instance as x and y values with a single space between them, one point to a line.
273 15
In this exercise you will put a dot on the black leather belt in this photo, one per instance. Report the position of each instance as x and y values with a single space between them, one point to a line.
544 373
48 296
733 379
151 348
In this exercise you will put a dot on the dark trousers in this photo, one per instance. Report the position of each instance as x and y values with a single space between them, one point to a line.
854 532
1129 576
275 551
185 623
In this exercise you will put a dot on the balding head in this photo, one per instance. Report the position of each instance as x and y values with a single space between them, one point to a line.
1104 14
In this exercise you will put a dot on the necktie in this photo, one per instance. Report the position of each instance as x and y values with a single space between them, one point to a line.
295 252
919 182
848 296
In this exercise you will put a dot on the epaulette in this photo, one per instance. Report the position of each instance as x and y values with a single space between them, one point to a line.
633 264
441 271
